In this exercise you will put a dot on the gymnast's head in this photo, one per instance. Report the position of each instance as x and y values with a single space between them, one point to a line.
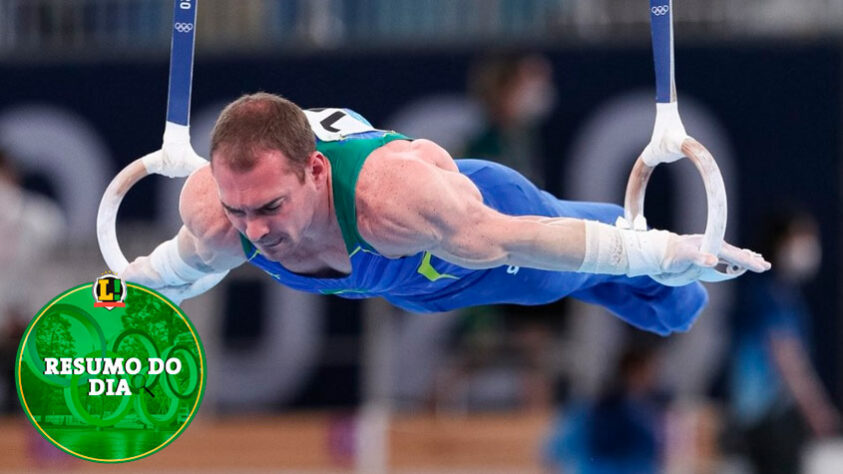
272 182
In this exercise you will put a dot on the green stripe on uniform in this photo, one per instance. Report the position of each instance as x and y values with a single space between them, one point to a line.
426 270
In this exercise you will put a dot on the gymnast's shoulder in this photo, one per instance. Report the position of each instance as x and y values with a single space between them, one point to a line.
203 214
407 192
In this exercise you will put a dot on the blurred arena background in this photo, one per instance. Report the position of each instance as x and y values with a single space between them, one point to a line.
561 90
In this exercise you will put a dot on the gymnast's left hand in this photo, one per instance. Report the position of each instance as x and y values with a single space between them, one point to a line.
684 251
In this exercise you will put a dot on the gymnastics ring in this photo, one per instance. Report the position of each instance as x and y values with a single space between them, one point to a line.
157 162
717 210
669 143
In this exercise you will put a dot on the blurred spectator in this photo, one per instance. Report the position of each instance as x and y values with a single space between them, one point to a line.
30 227
500 362
235 22
501 353
777 400
620 432
516 93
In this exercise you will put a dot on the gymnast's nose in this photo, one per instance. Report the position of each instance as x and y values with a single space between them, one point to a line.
256 228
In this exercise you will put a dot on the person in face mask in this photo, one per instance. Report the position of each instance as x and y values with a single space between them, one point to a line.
31 226
798 253
777 399
517 94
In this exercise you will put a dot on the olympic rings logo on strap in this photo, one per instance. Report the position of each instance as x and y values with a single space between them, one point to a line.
660 10
183 27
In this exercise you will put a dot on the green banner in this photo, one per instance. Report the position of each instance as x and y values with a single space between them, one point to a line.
110 382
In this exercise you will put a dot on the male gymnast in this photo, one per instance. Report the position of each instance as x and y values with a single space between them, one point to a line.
325 203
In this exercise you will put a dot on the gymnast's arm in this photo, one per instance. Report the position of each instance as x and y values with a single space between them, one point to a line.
410 206
207 242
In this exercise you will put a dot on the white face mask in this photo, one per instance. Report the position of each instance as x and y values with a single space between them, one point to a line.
534 100
799 258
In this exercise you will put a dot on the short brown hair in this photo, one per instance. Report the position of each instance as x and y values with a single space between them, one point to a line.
262 121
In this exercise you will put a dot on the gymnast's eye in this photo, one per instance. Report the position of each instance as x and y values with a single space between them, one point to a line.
272 207
269 210
234 212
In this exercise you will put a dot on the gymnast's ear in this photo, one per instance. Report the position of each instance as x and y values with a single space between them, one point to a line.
318 167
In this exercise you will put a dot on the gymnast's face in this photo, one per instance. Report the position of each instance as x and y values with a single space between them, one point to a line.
269 204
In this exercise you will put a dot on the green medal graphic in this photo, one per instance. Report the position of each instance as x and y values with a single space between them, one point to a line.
110 382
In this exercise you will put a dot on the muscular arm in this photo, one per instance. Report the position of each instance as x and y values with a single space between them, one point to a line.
208 240
526 241
409 202
411 206
206 243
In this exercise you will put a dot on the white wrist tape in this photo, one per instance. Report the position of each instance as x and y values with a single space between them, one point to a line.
646 251
167 262
604 250
613 251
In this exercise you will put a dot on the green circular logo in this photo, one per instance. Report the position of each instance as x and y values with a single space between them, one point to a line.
110 372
